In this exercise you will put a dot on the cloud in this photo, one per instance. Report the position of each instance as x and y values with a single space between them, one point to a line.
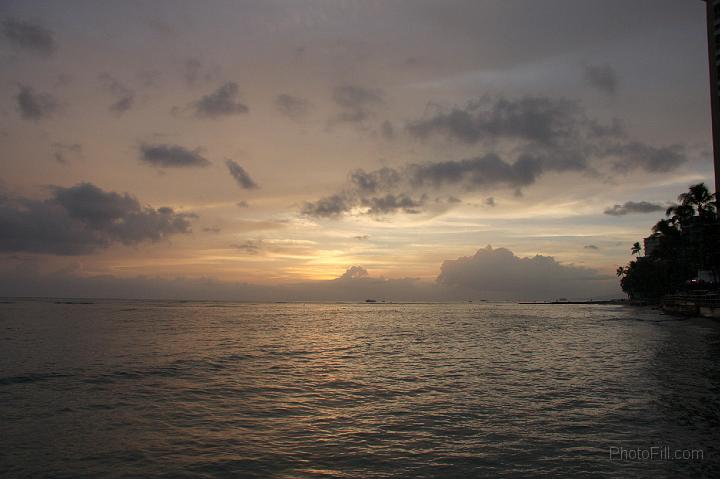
490 201
240 175
631 207
243 204
34 105
124 97
251 247
213 230
327 207
222 102
29 36
361 237
356 103
498 273
636 155
354 272
490 274
539 119
171 156
196 72
601 77
387 130
62 151
293 107
475 173
384 190
557 130
82 219
390 203
591 246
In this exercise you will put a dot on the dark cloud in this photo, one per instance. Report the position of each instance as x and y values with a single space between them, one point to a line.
34 105
490 201
222 102
389 203
240 175
387 130
328 207
354 272
383 191
213 230
292 106
63 152
123 96
602 77
499 273
539 119
29 36
196 72
361 237
356 103
171 156
475 173
558 131
634 207
243 204
82 219
374 181
591 246
639 156
251 247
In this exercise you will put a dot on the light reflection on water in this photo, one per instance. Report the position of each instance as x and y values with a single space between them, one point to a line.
168 389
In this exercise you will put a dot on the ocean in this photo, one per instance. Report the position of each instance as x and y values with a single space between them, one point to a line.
213 389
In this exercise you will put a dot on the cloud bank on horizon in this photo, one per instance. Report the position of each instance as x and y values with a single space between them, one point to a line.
532 126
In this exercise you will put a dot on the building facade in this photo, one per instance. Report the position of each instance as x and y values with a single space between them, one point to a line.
713 34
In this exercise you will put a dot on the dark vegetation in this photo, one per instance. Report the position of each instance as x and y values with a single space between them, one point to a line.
681 254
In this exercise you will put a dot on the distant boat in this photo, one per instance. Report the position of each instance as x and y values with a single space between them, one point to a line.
371 300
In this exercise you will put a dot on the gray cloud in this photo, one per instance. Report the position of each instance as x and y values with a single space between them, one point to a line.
387 130
292 106
251 247
62 151
558 131
476 173
490 201
29 36
494 274
240 175
591 246
356 103
196 72
171 156
389 203
499 273
538 119
602 77
328 207
636 155
213 230
361 237
34 105
124 97
222 102
243 204
383 190
634 207
354 272
82 219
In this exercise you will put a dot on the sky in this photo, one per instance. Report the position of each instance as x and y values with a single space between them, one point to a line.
337 150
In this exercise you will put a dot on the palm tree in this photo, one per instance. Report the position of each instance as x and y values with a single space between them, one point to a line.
698 200
636 248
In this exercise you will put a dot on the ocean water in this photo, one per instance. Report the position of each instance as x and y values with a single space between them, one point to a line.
207 389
